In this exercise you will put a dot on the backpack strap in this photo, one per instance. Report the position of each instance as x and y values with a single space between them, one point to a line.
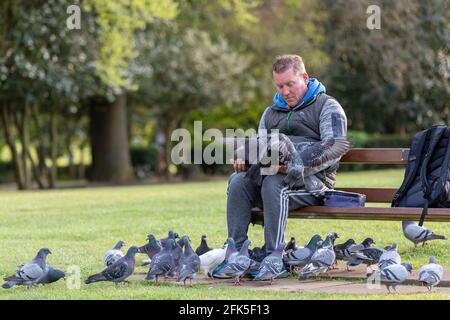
415 156
427 189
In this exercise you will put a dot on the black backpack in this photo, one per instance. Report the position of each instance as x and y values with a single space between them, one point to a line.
427 176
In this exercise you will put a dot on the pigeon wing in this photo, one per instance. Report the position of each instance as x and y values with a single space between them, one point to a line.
324 151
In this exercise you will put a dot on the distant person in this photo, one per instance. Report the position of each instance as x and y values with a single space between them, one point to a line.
302 110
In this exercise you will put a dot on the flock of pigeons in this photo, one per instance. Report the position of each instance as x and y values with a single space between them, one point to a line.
169 257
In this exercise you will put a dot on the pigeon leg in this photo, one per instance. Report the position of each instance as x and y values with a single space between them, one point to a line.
429 288
190 283
395 289
389 289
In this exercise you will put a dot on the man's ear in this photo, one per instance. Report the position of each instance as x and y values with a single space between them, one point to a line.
306 78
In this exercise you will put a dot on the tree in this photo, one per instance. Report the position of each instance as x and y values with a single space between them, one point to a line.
395 79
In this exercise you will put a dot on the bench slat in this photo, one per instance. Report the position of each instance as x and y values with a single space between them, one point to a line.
376 156
374 194
365 213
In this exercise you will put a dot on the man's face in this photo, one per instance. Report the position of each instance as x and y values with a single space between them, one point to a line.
292 87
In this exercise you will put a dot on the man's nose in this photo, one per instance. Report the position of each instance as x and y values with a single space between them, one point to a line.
284 91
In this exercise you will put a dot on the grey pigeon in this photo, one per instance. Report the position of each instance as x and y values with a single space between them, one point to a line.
389 257
321 260
394 274
163 262
189 264
306 159
237 264
114 254
418 234
342 250
431 274
29 274
231 251
151 248
348 254
118 271
291 245
51 275
203 247
300 257
171 235
272 266
367 256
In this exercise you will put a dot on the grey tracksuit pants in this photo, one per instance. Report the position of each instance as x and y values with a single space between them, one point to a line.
275 199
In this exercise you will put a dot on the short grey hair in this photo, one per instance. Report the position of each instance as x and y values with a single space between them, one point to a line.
287 61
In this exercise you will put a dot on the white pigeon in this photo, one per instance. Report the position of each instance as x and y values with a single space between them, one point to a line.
114 254
389 257
211 259
431 274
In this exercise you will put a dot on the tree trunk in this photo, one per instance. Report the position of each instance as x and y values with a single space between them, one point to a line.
18 172
53 173
109 141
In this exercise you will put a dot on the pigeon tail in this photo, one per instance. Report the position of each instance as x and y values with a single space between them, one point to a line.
95 278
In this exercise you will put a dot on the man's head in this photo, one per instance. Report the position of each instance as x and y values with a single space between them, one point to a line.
290 77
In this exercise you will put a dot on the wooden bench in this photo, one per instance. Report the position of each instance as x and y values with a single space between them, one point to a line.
377 195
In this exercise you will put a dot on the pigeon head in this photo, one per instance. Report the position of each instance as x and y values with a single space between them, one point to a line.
432 260
408 267
315 241
119 245
368 242
43 253
173 235
132 251
279 250
393 247
334 235
183 241
203 237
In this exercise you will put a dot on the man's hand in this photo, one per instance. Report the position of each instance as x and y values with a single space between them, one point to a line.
239 165
283 169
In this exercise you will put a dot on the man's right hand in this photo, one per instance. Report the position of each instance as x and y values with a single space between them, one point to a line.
239 165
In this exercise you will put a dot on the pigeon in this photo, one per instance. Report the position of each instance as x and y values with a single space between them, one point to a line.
431 274
306 158
342 250
237 264
258 254
348 253
272 266
389 257
203 247
231 251
321 260
394 275
163 262
114 254
291 246
189 264
118 271
301 256
417 234
177 254
368 256
29 274
51 275
151 248
211 259
171 235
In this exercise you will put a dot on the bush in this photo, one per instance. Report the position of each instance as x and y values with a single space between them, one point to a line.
144 161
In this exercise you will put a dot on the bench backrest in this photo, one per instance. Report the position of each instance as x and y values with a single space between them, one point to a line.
375 156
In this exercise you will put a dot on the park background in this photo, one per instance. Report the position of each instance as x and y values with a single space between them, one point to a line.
94 107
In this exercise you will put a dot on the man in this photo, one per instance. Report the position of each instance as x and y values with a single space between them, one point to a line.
303 111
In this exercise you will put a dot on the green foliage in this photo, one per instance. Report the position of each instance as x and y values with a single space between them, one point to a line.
118 22
144 160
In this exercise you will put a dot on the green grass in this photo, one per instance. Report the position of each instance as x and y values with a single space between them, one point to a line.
79 225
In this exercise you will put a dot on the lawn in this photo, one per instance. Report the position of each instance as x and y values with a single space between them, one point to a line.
79 225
